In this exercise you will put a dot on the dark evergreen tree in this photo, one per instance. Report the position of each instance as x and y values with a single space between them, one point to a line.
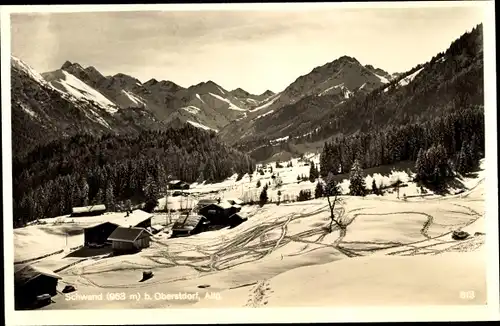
151 194
420 166
319 191
313 172
357 185
304 195
263 198
375 190
110 197
331 187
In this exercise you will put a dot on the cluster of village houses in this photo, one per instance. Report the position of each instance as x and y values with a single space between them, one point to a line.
126 232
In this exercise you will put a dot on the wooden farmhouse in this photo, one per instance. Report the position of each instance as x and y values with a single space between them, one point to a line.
129 239
218 214
98 233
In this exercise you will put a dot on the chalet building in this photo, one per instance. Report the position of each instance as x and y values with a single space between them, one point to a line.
129 239
189 225
178 185
98 234
205 202
219 213
93 210
30 282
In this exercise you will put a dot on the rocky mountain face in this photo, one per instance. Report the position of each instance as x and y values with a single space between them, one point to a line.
43 111
205 105
338 80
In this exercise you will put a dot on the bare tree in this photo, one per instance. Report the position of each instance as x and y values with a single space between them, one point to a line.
332 189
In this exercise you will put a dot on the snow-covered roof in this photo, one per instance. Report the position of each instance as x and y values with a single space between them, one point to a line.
235 201
157 226
121 219
223 204
25 273
187 222
87 209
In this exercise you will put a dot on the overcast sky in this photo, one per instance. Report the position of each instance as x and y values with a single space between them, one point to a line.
255 50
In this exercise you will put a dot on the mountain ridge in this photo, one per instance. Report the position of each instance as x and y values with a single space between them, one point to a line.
449 81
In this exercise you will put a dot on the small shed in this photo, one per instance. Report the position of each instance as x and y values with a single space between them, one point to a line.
129 239
217 213
30 282
88 210
189 225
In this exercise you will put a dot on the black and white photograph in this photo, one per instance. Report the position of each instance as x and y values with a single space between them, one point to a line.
261 156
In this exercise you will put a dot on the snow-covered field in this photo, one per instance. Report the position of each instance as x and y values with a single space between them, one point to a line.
393 252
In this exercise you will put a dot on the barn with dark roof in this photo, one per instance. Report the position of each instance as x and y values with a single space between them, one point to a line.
218 214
